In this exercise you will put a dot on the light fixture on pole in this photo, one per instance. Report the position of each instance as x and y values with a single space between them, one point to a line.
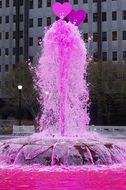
20 114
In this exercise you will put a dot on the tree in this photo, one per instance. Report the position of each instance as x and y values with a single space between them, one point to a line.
21 75
113 86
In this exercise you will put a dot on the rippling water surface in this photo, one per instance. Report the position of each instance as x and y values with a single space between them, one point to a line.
87 178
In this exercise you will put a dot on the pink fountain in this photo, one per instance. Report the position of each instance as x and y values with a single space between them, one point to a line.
63 95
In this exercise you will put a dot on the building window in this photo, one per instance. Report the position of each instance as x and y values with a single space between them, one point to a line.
21 2
39 3
95 56
31 4
21 18
0 20
48 3
21 50
114 56
85 36
85 1
48 21
39 21
95 1
31 41
6 68
95 37
75 2
6 84
30 22
95 17
114 35
6 51
124 15
21 34
31 58
86 20
124 35
14 51
104 56
7 19
0 4
7 3
124 55
104 16
104 36
114 15
39 40
6 35
14 3
14 18
14 34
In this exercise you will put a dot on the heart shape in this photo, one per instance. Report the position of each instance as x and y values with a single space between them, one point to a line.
77 17
61 10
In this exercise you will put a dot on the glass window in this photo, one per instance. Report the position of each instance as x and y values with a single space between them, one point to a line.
31 41
14 18
6 68
104 56
0 20
104 16
14 34
75 2
21 2
95 56
48 21
85 36
30 22
14 51
7 3
124 55
114 35
6 51
85 1
7 19
95 37
0 4
114 56
31 4
6 35
21 17
21 50
39 21
6 84
48 3
21 34
95 17
39 3
14 3
124 35
114 15
124 15
104 36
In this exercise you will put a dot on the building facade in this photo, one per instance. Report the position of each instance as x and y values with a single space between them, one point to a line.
22 24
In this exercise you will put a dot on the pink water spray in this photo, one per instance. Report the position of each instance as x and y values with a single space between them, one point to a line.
61 80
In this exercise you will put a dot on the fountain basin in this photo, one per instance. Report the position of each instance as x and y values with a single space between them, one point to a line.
64 151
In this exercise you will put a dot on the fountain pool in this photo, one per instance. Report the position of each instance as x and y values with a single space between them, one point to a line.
90 178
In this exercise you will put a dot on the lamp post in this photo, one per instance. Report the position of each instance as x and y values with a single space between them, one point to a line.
20 89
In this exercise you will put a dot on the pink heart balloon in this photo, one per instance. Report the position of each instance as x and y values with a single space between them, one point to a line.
61 10
77 17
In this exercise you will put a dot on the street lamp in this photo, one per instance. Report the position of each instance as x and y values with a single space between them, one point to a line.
20 89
